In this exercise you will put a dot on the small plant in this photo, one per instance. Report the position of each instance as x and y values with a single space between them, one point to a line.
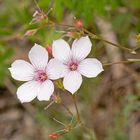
62 63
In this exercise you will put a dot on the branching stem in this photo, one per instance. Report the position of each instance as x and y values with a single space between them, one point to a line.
68 110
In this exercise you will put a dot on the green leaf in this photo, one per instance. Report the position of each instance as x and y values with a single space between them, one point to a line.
58 11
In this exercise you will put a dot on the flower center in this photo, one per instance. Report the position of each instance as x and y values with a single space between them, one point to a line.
73 66
40 76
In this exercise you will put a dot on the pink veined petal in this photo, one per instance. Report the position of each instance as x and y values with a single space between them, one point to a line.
72 81
46 90
55 69
61 50
27 91
90 67
38 56
81 48
22 70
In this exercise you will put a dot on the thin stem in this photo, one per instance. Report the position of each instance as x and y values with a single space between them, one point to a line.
119 62
49 11
62 130
77 111
59 122
48 105
63 25
123 62
134 60
94 36
71 120
68 110
37 5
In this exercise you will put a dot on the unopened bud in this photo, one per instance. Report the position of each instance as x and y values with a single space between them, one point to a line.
49 49
54 135
79 24
30 32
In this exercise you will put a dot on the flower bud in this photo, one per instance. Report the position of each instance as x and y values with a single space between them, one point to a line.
31 32
49 49
79 24
54 135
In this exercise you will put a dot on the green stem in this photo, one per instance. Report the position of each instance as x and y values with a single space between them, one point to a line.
119 62
77 111
133 60
59 122
48 105
94 36
123 62
68 110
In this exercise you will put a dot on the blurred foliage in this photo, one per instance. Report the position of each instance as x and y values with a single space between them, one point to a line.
5 54
118 131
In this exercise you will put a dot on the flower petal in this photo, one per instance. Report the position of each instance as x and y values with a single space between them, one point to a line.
61 50
90 67
27 91
46 90
22 70
72 81
38 56
81 48
55 69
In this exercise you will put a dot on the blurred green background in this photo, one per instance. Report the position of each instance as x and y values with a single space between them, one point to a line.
109 104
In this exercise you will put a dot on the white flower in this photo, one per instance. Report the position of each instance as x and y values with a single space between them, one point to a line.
75 63
38 75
